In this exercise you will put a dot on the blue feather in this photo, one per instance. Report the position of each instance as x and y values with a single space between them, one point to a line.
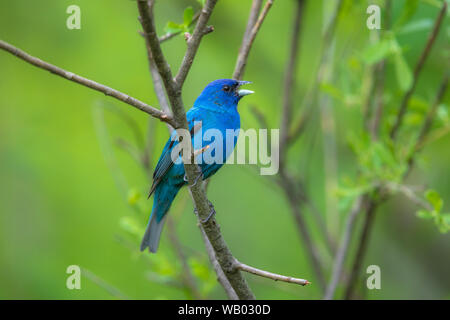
215 108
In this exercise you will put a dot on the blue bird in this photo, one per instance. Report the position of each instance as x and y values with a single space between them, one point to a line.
215 108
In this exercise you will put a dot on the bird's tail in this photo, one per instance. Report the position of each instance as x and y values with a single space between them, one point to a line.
153 233
164 196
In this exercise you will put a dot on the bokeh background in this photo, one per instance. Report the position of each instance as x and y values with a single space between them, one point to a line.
69 196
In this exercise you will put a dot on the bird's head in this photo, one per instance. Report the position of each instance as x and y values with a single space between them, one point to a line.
224 93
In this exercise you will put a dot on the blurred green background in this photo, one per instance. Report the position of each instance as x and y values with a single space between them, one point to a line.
67 193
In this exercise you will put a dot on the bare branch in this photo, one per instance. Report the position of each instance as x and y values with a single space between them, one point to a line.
247 42
221 277
194 42
410 194
289 82
379 83
287 185
173 89
298 128
86 82
269 275
252 18
341 254
362 246
372 204
418 69
187 277
148 25
430 116
174 34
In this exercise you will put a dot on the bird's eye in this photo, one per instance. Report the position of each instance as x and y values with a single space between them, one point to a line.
226 88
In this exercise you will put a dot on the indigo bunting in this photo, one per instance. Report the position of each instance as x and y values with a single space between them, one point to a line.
215 108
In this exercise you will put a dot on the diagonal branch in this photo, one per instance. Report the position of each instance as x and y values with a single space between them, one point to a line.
372 204
418 69
368 203
289 82
299 127
173 89
269 275
249 37
193 42
87 82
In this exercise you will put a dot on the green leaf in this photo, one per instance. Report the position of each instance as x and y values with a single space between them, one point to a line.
132 226
403 72
434 199
172 27
187 16
408 11
133 196
377 51
442 114
445 225
332 91
424 214
416 26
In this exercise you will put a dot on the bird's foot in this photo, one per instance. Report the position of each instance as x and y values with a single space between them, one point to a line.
200 175
212 212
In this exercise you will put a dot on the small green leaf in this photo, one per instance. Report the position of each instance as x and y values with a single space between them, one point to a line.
172 27
377 51
442 114
187 16
424 214
416 26
403 72
408 11
332 90
130 225
434 199
133 196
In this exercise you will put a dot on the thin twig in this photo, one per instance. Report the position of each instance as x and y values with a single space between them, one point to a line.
372 204
113 291
86 82
299 127
252 18
289 82
174 34
173 89
362 246
194 42
289 190
430 116
221 277
341 254
248 41
417 70
269 275
186 276
380 79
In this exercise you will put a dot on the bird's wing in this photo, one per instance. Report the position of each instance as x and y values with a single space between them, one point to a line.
165 160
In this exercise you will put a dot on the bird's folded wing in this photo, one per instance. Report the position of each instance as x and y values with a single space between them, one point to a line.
165 161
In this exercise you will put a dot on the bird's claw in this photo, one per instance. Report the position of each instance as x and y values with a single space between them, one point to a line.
195 180
211 213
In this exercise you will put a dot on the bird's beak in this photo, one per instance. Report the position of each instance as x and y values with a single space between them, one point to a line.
244 92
